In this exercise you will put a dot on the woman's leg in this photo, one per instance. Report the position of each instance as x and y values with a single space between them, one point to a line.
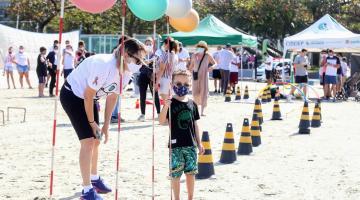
215 84
7 78
27 79
143 85
176 188
157 100
52 82
190 184
12 78
21 78
95 158
85 159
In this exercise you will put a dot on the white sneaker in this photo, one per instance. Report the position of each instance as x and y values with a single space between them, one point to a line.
141 118
289 98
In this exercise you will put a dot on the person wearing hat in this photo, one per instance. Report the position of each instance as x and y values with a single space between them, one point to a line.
226 56
184 58
96 77
199 66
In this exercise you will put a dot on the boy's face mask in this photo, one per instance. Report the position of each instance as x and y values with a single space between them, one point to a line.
180 89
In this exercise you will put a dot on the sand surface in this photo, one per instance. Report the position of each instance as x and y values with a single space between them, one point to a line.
321 166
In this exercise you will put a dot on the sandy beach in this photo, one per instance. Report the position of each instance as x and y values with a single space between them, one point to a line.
321 166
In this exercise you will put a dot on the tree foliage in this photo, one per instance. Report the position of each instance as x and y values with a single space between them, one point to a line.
272 19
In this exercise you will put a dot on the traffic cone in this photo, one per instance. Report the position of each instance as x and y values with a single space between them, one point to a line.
246 93
228 153
264 96
276 115
258 111
205 161
245 143
315 121
238 94
305 120
255 131
228 95
319 104
268 95
137 104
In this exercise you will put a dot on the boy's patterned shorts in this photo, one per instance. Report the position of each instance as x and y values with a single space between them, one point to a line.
183 159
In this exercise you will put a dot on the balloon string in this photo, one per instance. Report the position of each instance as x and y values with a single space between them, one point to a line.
120 95
61 23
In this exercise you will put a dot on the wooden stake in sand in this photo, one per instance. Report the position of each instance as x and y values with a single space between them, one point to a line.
120 95
61 25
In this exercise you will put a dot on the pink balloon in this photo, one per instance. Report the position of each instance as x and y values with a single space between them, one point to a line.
94 6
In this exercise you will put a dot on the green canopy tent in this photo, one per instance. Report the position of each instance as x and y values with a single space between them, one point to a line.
215 32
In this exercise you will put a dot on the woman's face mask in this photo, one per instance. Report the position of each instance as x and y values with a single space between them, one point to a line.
200 50
21 50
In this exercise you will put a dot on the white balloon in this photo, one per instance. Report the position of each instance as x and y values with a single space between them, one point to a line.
178 8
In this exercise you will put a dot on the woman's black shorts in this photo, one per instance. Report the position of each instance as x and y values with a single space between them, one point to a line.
74 108
216 74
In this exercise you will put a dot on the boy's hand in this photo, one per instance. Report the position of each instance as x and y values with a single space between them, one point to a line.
201 149
168 102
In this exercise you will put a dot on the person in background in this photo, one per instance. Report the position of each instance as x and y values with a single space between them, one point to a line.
322 70
48 77
168 61
226 56
339 75
251 61
268 68
9 67
184 58
22 62
52 58
234 71
41 70
182 115
146 79
344 68
68 61
80 53
301 64
333 63
216 71
201 64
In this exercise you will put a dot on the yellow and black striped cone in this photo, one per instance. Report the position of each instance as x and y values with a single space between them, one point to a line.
245 143
205 161
255 131
319 104
228 153
268 95
238 94
258 111
264 96
246 93
305 120
276 115
228 95
315 121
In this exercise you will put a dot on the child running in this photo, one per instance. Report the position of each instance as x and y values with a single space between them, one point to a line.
184 133
9 67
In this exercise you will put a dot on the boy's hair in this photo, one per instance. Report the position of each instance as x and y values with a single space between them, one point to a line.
180 73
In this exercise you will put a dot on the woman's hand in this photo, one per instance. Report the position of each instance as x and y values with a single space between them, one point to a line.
95 128
105 131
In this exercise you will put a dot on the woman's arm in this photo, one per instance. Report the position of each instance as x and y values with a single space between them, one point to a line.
213 62
109 107
89 95
28 61
161 71
192 63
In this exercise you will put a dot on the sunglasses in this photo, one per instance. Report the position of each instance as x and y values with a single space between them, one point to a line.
137 60
179 84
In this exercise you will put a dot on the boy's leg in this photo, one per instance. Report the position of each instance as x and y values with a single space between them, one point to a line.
190 184
176 187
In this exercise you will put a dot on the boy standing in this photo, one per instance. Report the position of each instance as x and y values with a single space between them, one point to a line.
333 63
184 133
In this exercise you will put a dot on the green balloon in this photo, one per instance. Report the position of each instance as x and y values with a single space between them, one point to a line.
148 10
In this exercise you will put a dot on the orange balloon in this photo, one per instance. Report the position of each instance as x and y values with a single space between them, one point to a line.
186 24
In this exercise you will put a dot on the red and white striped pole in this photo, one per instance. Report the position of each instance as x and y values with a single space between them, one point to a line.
61 25
153 121
123 4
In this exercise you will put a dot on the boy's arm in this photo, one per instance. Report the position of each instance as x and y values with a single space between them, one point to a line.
163 114
197 135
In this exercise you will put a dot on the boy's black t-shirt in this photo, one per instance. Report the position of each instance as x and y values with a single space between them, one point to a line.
183 117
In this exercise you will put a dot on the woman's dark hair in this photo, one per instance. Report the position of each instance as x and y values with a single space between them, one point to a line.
121 39
42 49
173 45
132 47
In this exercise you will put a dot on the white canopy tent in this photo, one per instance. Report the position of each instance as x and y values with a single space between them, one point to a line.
326 33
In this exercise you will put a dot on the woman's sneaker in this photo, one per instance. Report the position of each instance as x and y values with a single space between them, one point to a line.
90 195
100 186
141 118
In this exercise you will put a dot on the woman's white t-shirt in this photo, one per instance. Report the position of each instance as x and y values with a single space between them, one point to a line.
234 68
100 73
69 61
21 59
8 60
